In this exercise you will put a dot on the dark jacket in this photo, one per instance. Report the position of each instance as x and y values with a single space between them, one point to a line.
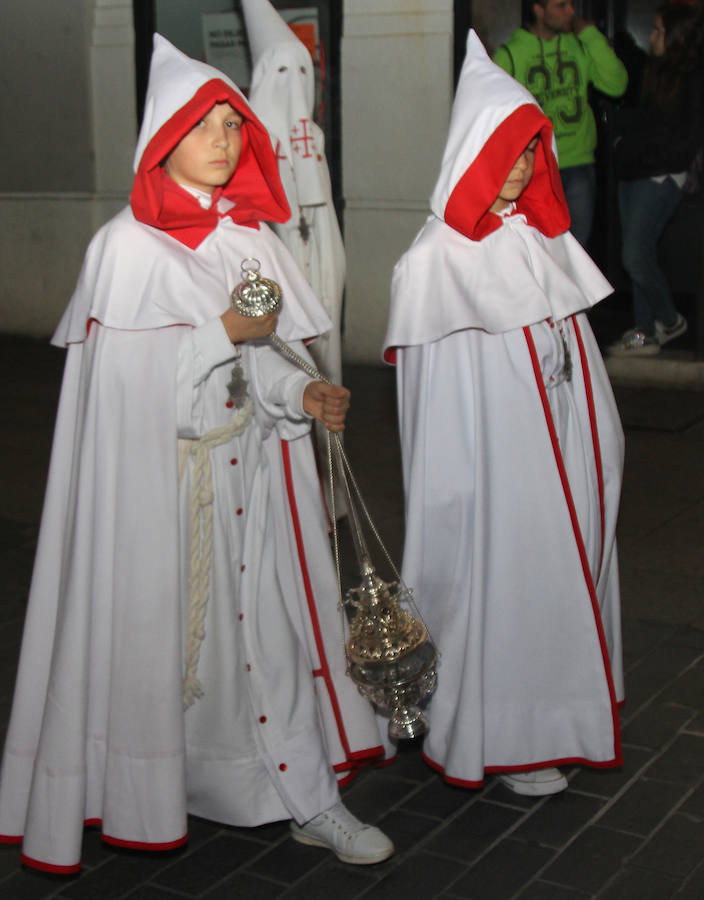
648 141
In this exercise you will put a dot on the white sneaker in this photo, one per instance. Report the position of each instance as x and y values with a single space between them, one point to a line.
665 333
537 783
349 839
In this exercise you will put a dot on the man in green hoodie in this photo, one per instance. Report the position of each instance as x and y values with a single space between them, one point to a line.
557 57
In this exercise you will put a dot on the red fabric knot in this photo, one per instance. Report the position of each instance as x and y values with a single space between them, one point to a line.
233 461
239 511
242 568
241 616
248 667
229 404
262 719
282 767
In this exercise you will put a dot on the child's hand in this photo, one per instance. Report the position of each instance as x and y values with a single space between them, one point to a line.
328 403
248 328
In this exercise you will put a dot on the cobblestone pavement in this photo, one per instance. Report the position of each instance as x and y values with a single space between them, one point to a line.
633 833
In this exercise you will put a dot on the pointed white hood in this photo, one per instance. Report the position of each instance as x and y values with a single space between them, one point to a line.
180 92
174 78
282 94
493 120
265 28
472 268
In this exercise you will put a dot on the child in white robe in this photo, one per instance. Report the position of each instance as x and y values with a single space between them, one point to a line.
512 454
182 648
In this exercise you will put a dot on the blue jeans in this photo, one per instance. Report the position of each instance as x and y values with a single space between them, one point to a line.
579 183
646 207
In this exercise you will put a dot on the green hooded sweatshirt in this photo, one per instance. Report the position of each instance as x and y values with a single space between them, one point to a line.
558 74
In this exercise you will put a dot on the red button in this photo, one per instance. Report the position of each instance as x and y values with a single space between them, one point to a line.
282 767
239 511
229 404
233 461
262 719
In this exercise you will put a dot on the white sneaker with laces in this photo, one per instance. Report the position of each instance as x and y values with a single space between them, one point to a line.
349 839
537 783
665 333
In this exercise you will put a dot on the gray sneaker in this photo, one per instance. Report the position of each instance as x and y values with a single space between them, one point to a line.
634 343
349 839
665 333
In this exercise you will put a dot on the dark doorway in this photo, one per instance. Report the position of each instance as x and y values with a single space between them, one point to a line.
180 21
627 24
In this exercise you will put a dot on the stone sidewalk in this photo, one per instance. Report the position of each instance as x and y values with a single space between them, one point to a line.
633 833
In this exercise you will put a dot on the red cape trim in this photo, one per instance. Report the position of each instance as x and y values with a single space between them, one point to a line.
579 540
312 611
595 433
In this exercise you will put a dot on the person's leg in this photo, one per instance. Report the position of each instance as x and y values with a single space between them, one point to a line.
646 206
579 183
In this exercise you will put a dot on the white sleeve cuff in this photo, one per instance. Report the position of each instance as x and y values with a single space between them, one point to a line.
211 346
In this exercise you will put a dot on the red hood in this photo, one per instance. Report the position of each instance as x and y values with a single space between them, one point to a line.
255 187
542 202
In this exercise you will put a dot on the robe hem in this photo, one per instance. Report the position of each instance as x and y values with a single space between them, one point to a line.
355 757
144 845
51 868
614 763
55 869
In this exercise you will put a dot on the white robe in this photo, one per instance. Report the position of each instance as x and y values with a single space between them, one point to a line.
98 731
282 95
530 667
512 471
321 255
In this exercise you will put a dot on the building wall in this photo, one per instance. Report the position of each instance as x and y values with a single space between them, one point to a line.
69 125
396 78
74 169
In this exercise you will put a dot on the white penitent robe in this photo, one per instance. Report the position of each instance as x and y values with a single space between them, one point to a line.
128 614
283 95
98 731
521 599
312 235
512 454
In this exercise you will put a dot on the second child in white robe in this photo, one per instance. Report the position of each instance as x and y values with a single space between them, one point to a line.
512 455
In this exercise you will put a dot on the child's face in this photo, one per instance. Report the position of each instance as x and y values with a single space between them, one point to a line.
207 156
518 178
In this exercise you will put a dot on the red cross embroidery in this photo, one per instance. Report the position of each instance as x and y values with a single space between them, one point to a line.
277 153
300 135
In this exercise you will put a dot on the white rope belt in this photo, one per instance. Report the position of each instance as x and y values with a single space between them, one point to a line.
202 540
